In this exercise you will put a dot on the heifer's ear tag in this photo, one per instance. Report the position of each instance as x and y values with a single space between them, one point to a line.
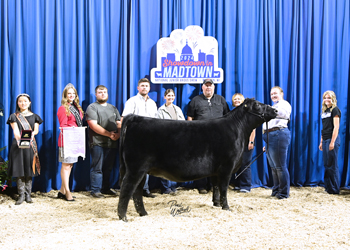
245 105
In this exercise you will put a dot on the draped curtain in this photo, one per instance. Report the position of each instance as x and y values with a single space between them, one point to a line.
301 46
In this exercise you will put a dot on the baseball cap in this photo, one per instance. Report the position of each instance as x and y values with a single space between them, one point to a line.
208 80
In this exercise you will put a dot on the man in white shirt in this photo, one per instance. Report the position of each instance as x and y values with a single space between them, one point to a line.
142 105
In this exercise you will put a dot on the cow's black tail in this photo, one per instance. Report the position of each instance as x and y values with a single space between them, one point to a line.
122 167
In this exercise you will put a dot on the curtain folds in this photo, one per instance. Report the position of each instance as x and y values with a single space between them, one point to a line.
302 46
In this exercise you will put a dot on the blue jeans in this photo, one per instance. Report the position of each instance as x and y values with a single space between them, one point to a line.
330 162
279 141
146 187
102 162
244 181
168 184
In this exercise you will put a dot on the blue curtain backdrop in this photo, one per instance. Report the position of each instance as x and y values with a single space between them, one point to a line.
302 46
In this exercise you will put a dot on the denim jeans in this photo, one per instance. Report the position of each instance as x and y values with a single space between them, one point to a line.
244 181
279 141
102 162
168 184
146 187
330 162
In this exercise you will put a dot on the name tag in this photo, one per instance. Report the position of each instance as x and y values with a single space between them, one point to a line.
326 115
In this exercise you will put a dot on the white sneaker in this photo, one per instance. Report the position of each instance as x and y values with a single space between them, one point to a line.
244 191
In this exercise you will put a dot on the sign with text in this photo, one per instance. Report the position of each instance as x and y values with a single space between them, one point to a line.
187 56
73 141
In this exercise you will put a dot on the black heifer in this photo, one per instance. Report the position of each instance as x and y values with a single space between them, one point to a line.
184 151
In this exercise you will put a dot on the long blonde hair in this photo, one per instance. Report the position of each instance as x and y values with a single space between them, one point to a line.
64 101
333 97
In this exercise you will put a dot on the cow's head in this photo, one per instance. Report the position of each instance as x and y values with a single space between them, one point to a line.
263 111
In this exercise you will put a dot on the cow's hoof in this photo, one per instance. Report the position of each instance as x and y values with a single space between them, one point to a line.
123 218
143 213
217 204
226 208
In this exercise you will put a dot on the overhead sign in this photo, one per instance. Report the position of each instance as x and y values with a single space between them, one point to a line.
187 56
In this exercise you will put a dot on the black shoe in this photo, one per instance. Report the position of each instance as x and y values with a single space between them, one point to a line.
275 194
69 200
281 197
62 196
110 192
97 195
202 191
148 194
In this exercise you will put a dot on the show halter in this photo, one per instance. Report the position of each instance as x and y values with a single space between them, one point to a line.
262 116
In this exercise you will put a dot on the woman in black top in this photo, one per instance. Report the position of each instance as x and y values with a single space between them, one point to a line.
21 164
330 141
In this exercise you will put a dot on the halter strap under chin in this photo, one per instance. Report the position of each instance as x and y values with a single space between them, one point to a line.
262 115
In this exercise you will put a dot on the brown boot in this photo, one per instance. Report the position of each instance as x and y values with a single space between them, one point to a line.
20 189
28 189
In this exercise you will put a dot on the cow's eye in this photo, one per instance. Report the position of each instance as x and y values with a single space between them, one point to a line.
257 106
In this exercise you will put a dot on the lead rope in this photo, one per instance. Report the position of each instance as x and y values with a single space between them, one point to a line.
267 140
267 135
256 157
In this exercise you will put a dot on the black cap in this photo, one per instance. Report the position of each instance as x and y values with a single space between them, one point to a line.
208 80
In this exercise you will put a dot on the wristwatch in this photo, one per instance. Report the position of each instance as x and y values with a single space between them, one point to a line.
251 142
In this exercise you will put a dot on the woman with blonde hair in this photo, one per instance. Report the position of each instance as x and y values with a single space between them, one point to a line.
330 141
70 114
243 182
